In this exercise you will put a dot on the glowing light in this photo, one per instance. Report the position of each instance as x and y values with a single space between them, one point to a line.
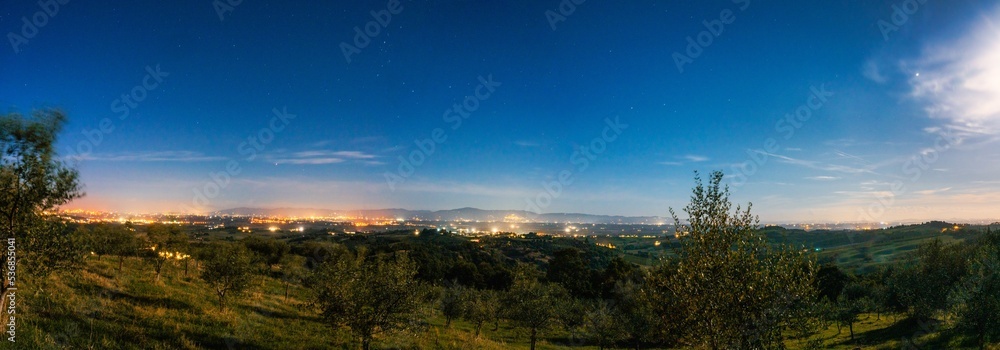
272 229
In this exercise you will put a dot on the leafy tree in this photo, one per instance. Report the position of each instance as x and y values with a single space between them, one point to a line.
736 290
293 270
534 305
268 251
976 299
165 243
618 271
830 281
569 270
453 302
115 240
228 270
483 306
923 282
635 314
601 322
33 180
369 296
50 245
853 301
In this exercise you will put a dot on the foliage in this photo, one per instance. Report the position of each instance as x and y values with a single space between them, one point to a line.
164 243
33 180
533 305
228 270
267 251
453 302
976 298
734 289
50 245
483 306
371 296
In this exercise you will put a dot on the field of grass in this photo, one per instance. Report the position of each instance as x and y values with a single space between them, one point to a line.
98 307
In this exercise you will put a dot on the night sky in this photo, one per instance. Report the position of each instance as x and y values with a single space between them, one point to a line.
816 111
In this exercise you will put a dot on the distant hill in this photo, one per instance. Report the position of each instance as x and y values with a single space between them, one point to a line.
472 214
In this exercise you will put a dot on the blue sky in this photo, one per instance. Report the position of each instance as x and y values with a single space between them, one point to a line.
866 153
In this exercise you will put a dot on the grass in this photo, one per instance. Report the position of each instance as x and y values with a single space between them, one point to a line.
97 307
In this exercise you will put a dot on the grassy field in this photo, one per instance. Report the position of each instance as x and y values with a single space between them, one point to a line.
98 307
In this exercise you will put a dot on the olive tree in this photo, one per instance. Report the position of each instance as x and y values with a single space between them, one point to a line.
33 181
370 295
735 289
228 270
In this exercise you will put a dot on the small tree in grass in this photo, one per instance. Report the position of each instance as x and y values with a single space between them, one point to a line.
534 305
453 302
371 296
483 306
165 243
228 270
734 289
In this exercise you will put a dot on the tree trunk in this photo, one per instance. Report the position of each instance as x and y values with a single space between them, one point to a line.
121 261
366 343
534 335
479 326
851 326
286 290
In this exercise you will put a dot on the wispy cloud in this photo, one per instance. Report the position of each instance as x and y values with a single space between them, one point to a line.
960 80
696 158
823 178
524 143
871 71
816 165
690 158
933 192
321 157
158 156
